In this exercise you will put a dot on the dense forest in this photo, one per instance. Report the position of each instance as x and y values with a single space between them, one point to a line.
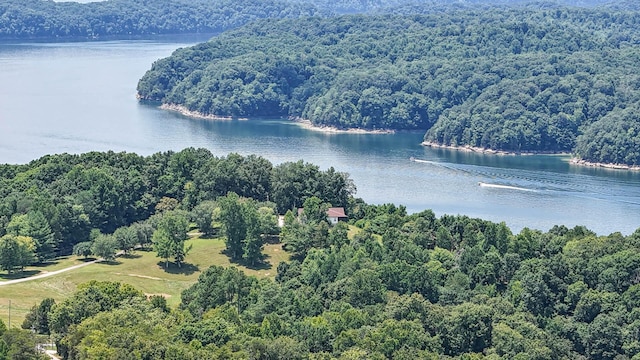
387 285
48 19
20 19
507 79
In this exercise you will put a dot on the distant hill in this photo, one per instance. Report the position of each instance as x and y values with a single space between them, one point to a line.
48 19
20 19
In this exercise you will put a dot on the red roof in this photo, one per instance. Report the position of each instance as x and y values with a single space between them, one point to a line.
337 212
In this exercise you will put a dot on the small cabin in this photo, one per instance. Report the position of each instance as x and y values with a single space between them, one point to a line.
334 215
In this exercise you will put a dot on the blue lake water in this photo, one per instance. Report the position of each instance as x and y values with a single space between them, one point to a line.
78 97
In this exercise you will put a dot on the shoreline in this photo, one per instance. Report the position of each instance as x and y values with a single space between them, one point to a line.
182 110
572 161
579 162
479 150
307 124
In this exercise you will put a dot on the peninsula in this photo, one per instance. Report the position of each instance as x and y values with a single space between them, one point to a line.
510 79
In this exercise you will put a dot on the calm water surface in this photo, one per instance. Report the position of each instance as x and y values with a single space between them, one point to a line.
78 97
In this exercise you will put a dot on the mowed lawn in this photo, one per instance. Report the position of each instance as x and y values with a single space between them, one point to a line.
142 269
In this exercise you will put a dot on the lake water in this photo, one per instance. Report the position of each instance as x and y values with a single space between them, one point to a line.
79 97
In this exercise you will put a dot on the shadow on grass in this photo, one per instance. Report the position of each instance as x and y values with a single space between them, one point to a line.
263 264
19 275
130 256
110 262
44 264
88 259
184 269
210 237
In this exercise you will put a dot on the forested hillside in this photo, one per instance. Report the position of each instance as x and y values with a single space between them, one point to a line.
58 201
48 19
505 79
387 286
24 19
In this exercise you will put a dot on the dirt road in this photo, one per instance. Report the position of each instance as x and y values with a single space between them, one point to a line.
47 274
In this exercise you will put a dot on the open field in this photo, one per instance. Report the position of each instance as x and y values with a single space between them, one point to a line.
143 270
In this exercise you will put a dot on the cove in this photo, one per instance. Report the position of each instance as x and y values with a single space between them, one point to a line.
79 97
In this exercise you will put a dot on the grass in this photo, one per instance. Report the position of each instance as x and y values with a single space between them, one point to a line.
143 270
354 230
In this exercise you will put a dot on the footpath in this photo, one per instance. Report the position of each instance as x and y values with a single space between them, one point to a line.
47 274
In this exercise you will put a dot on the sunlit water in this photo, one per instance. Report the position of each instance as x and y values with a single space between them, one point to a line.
78 97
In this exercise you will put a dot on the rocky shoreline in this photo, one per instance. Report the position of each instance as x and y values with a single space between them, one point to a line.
307 124
195 114
480 150
576 161
573 161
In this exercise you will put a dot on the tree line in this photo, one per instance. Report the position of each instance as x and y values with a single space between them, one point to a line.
401 286
516 79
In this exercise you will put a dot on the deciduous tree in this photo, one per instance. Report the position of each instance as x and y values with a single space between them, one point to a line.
169 238
105 247
16 252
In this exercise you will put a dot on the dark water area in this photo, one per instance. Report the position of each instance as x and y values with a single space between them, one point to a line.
80 96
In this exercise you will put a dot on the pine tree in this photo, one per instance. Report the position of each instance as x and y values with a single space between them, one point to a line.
39 230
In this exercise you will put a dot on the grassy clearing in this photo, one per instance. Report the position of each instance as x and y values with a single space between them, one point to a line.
354 230
143 270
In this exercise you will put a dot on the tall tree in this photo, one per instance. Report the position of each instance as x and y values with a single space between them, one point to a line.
127 237
105 246
16 252
202 215
315 210
233 224
144 232
253 239
39 229
268 221
169 238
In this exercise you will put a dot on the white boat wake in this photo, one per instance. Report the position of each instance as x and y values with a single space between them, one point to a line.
422 161
498 186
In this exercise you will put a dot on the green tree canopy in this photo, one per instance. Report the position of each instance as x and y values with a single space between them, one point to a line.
169 237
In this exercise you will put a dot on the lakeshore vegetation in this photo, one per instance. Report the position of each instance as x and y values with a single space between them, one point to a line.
386 285
513 79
